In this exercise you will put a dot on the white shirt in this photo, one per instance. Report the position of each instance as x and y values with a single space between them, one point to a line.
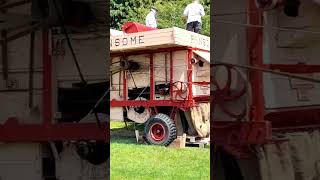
194 12
151 20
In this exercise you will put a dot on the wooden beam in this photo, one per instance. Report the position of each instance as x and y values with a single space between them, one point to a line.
31 63
6 6
4 51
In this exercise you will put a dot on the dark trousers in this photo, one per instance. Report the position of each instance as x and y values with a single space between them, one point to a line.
194 26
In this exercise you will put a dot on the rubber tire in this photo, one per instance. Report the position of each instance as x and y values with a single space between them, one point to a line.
170 127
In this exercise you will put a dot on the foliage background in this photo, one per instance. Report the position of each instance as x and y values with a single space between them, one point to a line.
170 13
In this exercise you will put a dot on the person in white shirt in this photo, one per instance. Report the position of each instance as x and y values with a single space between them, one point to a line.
151 19
194 12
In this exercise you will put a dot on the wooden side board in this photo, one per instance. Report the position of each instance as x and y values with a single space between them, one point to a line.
162 38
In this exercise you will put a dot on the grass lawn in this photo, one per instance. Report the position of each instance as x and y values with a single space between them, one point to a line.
130 160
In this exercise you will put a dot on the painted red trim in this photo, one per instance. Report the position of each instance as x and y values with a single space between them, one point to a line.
201 83
296 68
201 99
149 103
139 52
198 49
171 74
189 73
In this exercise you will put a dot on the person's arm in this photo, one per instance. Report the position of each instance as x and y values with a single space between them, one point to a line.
147 20
154 22
186 11
202 13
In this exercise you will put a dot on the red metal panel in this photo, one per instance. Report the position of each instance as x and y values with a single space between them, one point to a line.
198 49
139 52
202 99
171 74
201 83
134 27
189 73
296 68
149 103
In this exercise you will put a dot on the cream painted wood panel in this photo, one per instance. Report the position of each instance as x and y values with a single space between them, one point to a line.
292 47
20 161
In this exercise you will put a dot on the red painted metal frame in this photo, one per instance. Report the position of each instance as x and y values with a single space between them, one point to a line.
237 136
255 47
13 131
183 104
171 74
295 68
189 75
139 52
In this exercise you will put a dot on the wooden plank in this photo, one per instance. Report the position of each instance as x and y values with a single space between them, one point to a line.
180 142
193 141
163 38
187 38
141 39
12 21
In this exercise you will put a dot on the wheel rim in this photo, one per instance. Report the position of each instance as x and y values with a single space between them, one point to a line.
157 132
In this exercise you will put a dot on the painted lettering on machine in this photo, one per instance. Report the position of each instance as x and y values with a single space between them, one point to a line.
126 41
200 41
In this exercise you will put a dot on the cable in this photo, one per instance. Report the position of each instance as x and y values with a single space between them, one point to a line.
236 13
95 106
99 101
241 12
263 26
132 78
291 75
61 19
141 92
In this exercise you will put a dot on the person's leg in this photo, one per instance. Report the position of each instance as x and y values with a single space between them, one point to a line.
197 27
194 26
190 26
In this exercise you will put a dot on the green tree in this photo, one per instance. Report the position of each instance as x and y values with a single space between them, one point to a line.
170 13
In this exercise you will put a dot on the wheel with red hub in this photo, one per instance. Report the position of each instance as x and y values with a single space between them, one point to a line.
160 130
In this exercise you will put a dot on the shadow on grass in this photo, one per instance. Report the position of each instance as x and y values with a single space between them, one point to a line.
120 133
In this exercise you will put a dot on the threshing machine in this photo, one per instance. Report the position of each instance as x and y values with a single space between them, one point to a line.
160 78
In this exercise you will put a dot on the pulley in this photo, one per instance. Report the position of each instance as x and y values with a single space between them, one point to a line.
224 94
